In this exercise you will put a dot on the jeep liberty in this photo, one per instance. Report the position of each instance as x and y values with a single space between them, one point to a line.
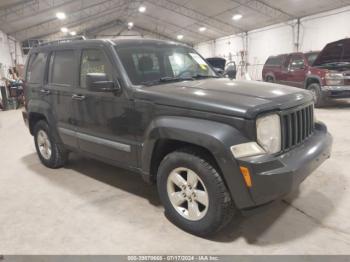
213 146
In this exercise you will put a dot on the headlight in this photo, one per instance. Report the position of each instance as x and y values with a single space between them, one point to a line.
334 79
269 133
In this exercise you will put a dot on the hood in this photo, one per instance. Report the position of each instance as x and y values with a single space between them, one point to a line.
243 99
217 62
335 52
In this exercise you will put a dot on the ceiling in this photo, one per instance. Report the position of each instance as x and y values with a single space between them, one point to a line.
35 19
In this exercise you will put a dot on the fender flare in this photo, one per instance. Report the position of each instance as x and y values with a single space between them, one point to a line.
311 77
216 137
270 74
44 109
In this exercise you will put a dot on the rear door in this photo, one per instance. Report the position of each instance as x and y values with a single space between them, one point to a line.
105 120
61 83
35 78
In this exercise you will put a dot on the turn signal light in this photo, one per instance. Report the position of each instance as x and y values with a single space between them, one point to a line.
246 175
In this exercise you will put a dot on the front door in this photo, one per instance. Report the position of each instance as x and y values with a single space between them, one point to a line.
104 119
296 71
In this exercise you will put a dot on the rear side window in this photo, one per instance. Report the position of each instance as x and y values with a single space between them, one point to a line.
36 68
275 60
62 68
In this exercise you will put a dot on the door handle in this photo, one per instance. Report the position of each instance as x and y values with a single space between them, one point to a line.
78 97
45 91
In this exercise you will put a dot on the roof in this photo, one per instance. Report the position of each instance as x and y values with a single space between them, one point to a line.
35 19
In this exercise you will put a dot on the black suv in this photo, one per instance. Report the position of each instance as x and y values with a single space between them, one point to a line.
213 145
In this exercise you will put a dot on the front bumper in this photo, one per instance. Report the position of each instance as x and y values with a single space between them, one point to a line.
336 91
275 176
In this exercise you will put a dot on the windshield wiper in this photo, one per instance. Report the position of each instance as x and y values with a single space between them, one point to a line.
166 79
198 76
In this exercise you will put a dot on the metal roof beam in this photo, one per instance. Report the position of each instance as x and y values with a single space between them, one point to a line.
197 16
42 10
27 8
53 25
265 9
179 28
91 21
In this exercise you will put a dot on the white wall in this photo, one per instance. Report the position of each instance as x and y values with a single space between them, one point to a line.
318 30
5 56
10 51
315 32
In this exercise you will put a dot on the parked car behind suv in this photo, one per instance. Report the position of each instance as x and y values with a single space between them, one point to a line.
212 145
326 74
223 69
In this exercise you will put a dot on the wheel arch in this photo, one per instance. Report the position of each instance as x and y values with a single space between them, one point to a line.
269 74
167 134
312 79
40 110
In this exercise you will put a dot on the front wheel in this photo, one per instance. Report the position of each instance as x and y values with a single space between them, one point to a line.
319 98
193 193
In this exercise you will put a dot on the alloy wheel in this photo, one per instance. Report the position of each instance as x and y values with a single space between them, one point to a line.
44 145
187 193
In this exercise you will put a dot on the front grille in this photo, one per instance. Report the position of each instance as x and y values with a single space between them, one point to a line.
297 125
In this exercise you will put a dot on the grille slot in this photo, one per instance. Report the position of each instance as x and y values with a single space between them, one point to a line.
297 125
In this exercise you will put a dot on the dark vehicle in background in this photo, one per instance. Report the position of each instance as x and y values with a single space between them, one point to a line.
212 145
220 66
326 75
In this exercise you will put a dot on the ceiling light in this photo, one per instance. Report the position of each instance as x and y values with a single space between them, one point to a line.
202 29
142 9
73 33
61 15
64 29
237 17
180 37
130 25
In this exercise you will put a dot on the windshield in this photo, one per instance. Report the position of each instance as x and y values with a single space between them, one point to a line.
311 57
153 64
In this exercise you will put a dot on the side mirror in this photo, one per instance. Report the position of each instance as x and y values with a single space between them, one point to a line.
231 70
99 82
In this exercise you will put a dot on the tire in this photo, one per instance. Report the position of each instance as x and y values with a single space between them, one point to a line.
270 79
212 217
51 153
320 99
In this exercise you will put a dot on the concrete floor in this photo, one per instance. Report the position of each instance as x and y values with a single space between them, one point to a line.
92 208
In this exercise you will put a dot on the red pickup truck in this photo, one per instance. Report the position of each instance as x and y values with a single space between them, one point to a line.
326 74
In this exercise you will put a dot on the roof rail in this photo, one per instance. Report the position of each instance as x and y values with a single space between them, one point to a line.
64 40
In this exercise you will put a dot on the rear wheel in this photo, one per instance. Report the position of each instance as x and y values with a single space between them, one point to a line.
51 153
270 79
319 98
193 193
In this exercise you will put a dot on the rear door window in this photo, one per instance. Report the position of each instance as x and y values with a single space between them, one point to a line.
62 68
36 68
275 60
